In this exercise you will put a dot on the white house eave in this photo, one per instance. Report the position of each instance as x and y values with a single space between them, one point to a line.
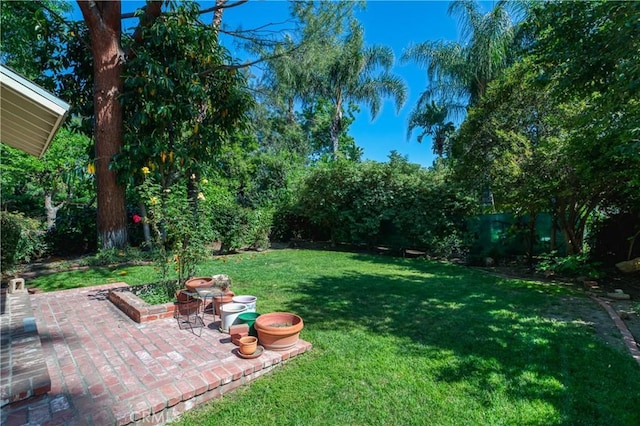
29 115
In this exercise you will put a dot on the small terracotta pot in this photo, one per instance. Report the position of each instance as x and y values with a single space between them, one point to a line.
248 345
278 331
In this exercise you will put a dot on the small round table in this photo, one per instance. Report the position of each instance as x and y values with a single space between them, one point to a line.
208 293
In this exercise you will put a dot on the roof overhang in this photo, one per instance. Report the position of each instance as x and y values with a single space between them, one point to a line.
29 115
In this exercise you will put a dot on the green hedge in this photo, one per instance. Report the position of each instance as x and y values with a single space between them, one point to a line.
395 204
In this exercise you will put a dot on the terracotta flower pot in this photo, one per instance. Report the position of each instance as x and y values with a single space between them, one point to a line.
182 297
278 331
221 300
248 345
186 304
194 283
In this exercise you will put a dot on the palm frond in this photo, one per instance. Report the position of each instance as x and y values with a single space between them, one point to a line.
469 17
378 56
458 72
371 92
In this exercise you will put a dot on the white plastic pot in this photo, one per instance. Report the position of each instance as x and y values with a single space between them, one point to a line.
229 315
250 301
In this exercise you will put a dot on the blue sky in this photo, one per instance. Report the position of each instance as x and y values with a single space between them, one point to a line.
396 24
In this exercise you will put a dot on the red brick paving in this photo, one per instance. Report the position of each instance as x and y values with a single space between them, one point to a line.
106 369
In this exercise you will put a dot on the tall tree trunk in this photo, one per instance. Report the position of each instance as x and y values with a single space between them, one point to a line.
103 20
574 242
572 222
572 218
335 129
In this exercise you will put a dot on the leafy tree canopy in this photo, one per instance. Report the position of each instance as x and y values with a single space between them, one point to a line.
181 100
540 145
33 39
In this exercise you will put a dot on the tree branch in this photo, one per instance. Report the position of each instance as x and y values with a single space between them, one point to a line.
90 12
152 10
248 64
130 15
223 6
239 33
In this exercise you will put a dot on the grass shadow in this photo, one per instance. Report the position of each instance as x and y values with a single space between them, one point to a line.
490 332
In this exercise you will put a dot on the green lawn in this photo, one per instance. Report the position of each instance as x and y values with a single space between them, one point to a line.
402 341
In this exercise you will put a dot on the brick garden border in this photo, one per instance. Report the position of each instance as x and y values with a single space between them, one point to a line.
627 337
139 310
23 369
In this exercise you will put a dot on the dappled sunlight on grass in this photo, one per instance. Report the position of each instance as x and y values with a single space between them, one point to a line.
490 327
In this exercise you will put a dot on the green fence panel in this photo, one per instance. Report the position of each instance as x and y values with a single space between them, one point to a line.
505 235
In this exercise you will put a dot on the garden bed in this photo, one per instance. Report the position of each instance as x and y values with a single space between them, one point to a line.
137 309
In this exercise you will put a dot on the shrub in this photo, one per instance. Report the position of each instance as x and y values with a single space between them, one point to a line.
178 226
290 223
157 293
114 256
236 226
259 227
450 245
225 217
572 265
75 231
23 239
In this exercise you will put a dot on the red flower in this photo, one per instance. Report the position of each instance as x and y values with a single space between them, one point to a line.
137 218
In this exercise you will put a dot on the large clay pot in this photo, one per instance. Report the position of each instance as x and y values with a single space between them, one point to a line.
278 331
182 297
194 283
222 300
186 304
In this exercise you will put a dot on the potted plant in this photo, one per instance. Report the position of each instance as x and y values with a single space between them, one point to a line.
223 283
278 331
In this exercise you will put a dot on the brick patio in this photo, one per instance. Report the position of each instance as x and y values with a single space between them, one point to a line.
105 368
